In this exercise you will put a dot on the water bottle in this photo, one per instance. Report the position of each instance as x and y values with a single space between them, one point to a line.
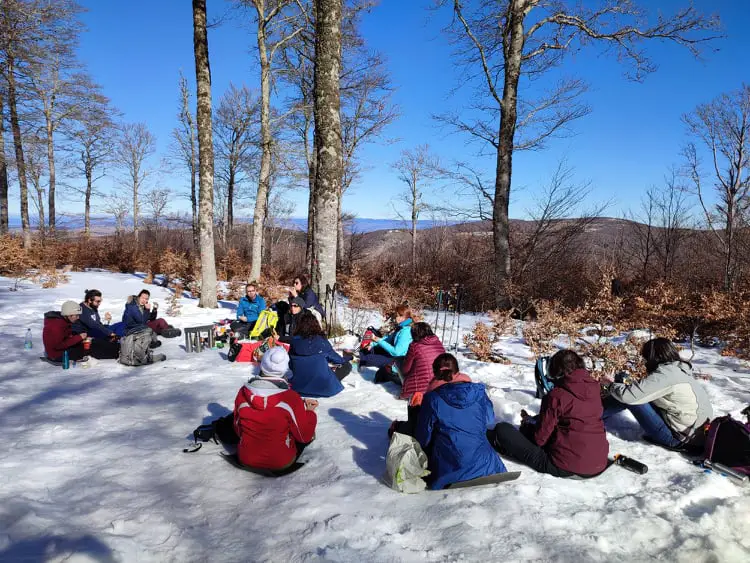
631 464
66 360
27 342
726 471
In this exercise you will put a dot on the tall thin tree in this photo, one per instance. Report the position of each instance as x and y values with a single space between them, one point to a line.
3 170
134 146
330 165
205 155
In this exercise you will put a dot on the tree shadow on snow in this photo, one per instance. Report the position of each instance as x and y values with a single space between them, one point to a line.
372 432
46 548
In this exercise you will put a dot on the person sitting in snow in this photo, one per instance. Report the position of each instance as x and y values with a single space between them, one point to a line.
273 422
249 309
58 337
385 352
669 403
139 314
568 436
288 319
452 427
91 323
416 371
311 353
301 288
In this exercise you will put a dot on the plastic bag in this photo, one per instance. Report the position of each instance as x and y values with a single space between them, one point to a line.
405 465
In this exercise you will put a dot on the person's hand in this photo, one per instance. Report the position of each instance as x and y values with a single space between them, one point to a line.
376 338
606 379
155 305
524 415
83 336
311 404
274 334
107 316
292 292
243 319
113 337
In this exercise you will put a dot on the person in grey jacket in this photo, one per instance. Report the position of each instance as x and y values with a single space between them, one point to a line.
669 403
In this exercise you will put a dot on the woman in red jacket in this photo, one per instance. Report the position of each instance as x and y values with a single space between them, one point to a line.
569 437
416 370
273 422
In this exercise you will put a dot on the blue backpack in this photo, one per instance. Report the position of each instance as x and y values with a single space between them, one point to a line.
543 384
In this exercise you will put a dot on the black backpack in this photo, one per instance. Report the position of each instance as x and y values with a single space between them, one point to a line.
220 430
728 442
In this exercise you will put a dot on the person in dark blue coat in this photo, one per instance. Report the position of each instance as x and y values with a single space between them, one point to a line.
310 353
301 288
452 427
139 315
91 323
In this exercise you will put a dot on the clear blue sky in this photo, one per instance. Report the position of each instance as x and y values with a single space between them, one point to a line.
136 49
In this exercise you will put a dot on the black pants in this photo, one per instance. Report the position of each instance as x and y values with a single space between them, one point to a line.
509 441
343 370
241 329
101 349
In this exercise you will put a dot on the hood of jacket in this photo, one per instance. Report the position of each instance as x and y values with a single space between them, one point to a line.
262 393
131 299
308 346
431 341
461 395
405 323
54 315
581 385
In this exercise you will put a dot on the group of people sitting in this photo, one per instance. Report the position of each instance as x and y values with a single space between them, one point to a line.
77 328
452 417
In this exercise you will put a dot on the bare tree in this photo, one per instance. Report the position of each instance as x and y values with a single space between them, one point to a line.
502 41
674 222
277 23
118 205
329 171
134 146
3 169
206 155
642 227
416 168
185 150
156 201
36 171
723 128
92 140
235 137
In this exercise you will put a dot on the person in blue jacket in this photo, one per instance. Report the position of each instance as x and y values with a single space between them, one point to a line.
385 352
301 288
452 427
248 310
91 323
310 354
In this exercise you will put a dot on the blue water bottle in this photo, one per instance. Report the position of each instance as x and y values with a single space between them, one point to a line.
27 342
66 361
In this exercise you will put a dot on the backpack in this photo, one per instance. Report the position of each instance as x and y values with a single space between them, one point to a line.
267 321
220 430
405 465
543 384
728 442
135 348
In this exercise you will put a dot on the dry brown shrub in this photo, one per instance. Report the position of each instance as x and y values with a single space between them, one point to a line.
174 306
481 341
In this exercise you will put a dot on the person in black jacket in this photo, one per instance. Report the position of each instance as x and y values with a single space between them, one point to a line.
91 323
290 319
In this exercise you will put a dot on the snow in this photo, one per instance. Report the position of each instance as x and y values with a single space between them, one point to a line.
92 467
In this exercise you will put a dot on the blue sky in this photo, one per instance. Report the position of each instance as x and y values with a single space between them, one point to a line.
136 49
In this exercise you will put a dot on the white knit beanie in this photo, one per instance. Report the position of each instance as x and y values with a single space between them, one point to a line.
70 308
275 363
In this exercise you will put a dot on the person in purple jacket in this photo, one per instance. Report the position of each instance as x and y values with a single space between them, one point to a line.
568 437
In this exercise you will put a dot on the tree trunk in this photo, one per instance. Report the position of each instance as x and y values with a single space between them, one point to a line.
340 251
514 43
330 167
135 212
230 200
51 165
205 155
87 201
311 170
18 145
414 217
266 145
3 173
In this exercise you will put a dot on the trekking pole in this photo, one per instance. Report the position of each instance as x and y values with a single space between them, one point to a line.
445 314
437 315
453 321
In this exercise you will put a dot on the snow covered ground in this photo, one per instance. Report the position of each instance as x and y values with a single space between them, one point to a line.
92 469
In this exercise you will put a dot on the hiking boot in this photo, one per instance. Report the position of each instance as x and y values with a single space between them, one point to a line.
158 358
171 333
154 344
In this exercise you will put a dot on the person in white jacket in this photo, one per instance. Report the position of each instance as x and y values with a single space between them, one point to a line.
669 403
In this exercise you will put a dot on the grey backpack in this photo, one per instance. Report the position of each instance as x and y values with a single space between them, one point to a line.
135 348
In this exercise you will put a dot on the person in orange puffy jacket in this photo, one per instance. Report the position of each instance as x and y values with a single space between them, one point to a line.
273 422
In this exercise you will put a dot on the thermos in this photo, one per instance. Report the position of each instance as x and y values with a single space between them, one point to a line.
631 464
724 470
66 360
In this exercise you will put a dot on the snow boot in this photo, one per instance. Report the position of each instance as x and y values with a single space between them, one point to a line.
171 332
154 344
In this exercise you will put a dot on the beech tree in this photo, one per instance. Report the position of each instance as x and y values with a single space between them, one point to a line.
416 168
329 171
277 23
3 169
501 41
722 127
134 146
205 155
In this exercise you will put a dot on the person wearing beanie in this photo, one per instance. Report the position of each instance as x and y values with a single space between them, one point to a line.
58 337
273 422
311 353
